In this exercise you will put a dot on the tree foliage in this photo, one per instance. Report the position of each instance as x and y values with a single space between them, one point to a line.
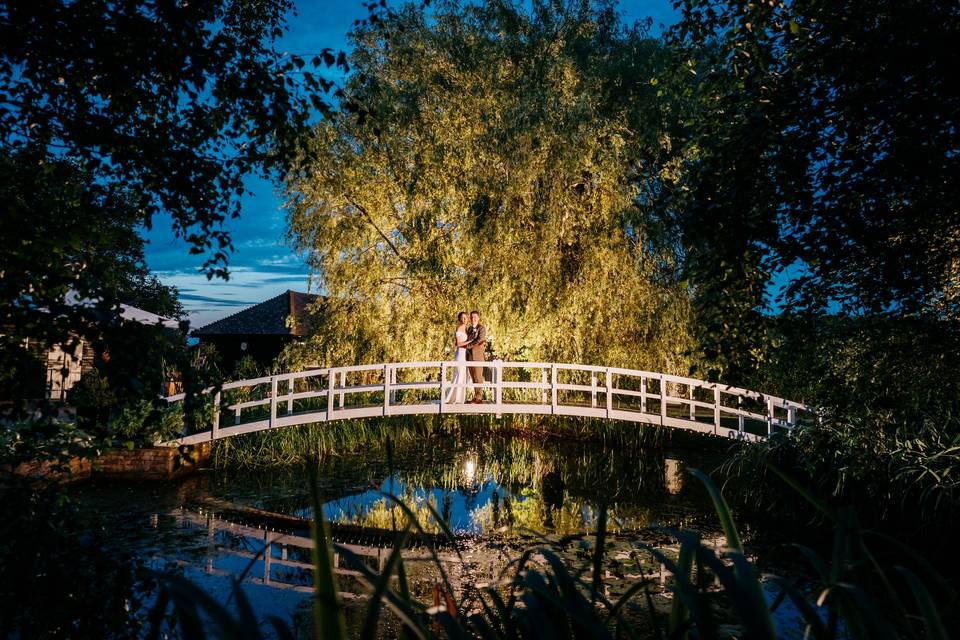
486 158
71 254
825 157
177 101
112 112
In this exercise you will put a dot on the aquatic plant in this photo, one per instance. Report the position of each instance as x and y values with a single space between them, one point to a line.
540 594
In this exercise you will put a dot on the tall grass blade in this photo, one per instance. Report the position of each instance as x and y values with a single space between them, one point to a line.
654 623
380 588
187 597
932 624
245 615
680 608
280 628
810 615
723 511
865 619
930 572
327 610
403 607
580 611
155 617
601 541
412 519
823 572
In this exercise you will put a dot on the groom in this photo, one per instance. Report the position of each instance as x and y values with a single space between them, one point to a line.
476 345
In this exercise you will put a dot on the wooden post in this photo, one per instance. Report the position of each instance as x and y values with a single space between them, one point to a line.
740 421
290 387
792 417
769 416
609 393
553 388
498 390
716 410
331 383
215 427
663 399
593 389
545 391
693 408
443 385
273 401
343 385
643 394
386 390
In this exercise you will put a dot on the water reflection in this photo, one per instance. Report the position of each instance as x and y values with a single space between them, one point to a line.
283 561
496 492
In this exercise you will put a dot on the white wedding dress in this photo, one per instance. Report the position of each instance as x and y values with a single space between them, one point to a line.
457 394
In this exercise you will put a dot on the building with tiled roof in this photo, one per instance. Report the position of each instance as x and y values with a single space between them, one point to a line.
260 331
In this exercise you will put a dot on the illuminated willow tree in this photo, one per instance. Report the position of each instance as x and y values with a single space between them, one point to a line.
487 158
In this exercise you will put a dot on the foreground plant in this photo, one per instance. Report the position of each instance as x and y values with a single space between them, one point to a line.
541 595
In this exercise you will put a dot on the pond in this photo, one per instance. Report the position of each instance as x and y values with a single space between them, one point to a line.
498 494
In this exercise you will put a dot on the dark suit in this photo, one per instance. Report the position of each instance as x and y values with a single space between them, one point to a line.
476 347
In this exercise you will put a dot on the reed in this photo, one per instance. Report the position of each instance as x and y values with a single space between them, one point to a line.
540 595
296 445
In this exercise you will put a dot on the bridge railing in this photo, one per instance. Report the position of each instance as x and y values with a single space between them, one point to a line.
425 388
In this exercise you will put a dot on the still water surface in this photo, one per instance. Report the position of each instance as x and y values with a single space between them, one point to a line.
498 493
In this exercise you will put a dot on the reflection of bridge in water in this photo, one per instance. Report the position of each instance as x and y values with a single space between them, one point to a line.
283 561
525 388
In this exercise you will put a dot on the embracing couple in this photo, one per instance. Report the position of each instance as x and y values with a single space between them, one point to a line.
470 341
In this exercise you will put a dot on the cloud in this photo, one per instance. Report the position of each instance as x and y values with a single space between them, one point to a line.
215 302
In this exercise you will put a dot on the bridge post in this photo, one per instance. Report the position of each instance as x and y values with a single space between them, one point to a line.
693 407
215 427
498 390
716 410
443 383
331 383
609 393
273 400
769 416
543 381
792 417
343 385
643 394
386 389
553 388
290 387
593 389
663 399
740 420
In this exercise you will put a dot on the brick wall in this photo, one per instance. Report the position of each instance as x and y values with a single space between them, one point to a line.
154 463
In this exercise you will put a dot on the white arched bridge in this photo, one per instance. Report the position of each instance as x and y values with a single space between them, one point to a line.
533 388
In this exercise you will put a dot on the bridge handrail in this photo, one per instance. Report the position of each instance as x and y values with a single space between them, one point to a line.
600 401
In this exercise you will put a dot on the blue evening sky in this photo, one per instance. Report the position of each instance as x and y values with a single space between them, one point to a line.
263 265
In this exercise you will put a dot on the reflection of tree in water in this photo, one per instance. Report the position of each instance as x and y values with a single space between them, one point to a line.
540 484
552 492
447 505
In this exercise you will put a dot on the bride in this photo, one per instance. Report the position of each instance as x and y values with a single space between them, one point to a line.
457 394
